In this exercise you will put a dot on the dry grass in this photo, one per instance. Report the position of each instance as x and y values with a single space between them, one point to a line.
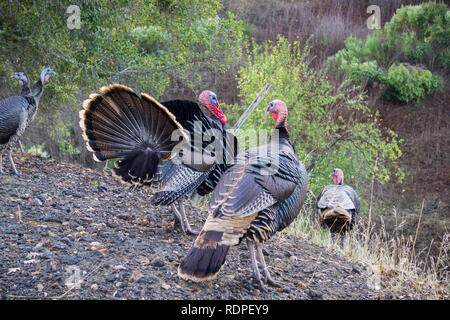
391 264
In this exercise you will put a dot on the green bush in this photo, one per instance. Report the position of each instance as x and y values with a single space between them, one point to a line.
329 127
417 34
143 44
407 86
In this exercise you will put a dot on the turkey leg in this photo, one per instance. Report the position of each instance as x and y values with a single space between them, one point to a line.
20 146
177 216
267 278
187 227
12 162
251 250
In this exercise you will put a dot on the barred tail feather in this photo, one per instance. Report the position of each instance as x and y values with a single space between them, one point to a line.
204 259
118 123
337 219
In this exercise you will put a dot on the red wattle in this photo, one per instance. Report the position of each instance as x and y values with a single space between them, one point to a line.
275 117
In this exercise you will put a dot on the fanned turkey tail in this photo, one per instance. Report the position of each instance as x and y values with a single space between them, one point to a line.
137 130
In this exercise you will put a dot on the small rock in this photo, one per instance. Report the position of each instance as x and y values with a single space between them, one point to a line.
249 287
110 277
59 245
314 294
86 219
355 270
70 260
95 245
293 258
94 287
158 263
126 217
50 203
40 287
256 292
56 286
112 224
34 202
165 286
47 255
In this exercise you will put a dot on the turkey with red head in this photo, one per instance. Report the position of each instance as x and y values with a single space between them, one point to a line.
145 136
17 112
338 205
259 195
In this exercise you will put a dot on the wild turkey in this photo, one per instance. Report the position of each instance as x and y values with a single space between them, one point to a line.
338 205
24 80
16 113
259 195
139 131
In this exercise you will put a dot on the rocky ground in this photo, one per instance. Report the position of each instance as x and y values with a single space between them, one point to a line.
62 222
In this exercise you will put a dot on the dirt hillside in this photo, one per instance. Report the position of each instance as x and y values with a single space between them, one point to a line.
62 222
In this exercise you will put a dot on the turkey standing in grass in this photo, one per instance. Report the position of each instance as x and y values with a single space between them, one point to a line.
259 195
16 113
24 80
338 205
143 133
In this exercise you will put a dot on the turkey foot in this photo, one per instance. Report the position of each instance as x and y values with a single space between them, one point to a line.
180 215
257 276
187 227
267 278
178 220
12 162
20 146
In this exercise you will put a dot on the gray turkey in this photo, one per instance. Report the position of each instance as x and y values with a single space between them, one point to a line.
261 194
16 113
139 132
24 80
338 205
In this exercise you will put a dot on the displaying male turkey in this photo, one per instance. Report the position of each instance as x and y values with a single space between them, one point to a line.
16 113
142 133
24 80
338 204
259 195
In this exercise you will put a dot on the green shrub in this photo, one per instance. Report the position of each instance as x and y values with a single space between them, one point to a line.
417 34
407 86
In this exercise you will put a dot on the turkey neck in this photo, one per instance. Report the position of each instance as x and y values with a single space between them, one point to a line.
36 91
283 136
33 99
26 90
